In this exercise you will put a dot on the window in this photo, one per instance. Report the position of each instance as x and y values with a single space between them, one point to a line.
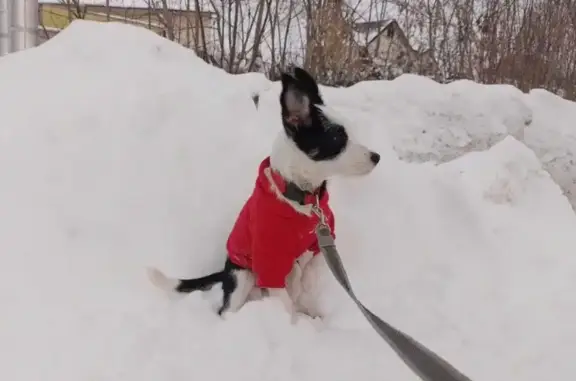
390 32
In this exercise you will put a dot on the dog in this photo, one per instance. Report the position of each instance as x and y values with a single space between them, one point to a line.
272 243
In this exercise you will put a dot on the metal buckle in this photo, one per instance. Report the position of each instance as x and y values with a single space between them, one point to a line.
318 212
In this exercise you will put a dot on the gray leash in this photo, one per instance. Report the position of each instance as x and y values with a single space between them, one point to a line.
425 363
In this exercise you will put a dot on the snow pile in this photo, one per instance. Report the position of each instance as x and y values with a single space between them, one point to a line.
552 136
120 150
427 121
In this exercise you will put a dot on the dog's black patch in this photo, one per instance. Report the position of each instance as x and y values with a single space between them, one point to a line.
226 278
310 129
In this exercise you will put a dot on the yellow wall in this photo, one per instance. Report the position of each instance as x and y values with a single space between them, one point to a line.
58 16
53 16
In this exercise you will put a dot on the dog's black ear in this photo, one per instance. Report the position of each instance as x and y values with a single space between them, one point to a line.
308 83
288 80
295 102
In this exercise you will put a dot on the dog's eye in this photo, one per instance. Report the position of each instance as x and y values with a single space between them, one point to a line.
339 134
313 152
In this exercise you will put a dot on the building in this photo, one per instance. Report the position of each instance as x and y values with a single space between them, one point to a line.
189 27
343 47
383 42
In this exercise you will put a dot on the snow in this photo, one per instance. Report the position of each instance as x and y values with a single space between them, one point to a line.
121 150
441 122
553 139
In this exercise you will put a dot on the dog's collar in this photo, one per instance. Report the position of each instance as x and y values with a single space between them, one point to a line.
294 193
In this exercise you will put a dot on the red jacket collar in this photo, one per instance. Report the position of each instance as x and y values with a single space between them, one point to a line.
291 190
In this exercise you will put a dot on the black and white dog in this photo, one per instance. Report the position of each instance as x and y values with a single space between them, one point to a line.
272 245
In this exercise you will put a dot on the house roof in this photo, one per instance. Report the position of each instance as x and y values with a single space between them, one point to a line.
146 23
49 28
367 31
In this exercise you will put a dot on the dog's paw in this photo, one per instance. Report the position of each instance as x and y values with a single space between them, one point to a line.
310 313
315 322
315 316
160 280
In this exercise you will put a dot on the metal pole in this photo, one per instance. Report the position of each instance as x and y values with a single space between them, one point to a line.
16 27
31 23
5 23
25 24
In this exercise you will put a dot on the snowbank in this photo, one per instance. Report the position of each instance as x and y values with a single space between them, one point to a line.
120 150
552 136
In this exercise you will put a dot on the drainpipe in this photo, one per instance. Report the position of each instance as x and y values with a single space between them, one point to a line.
5 13
24 24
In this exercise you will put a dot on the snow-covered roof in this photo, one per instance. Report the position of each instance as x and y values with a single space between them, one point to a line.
131 21
172 4
366 31
49 28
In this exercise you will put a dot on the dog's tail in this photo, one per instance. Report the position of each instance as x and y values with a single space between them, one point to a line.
163 282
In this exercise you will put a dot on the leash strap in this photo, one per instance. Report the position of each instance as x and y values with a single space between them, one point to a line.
425 363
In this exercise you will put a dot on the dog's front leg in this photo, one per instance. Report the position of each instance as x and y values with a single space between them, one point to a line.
286 299
301 286
305 282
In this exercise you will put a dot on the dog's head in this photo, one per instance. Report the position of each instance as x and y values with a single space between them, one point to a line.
322 139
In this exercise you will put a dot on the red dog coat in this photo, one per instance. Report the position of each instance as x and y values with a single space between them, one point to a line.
269 235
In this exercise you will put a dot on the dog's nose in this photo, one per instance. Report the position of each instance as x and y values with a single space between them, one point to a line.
374 157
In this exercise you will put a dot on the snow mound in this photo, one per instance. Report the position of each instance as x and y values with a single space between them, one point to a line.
553 138
120 150
427 121
508 173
